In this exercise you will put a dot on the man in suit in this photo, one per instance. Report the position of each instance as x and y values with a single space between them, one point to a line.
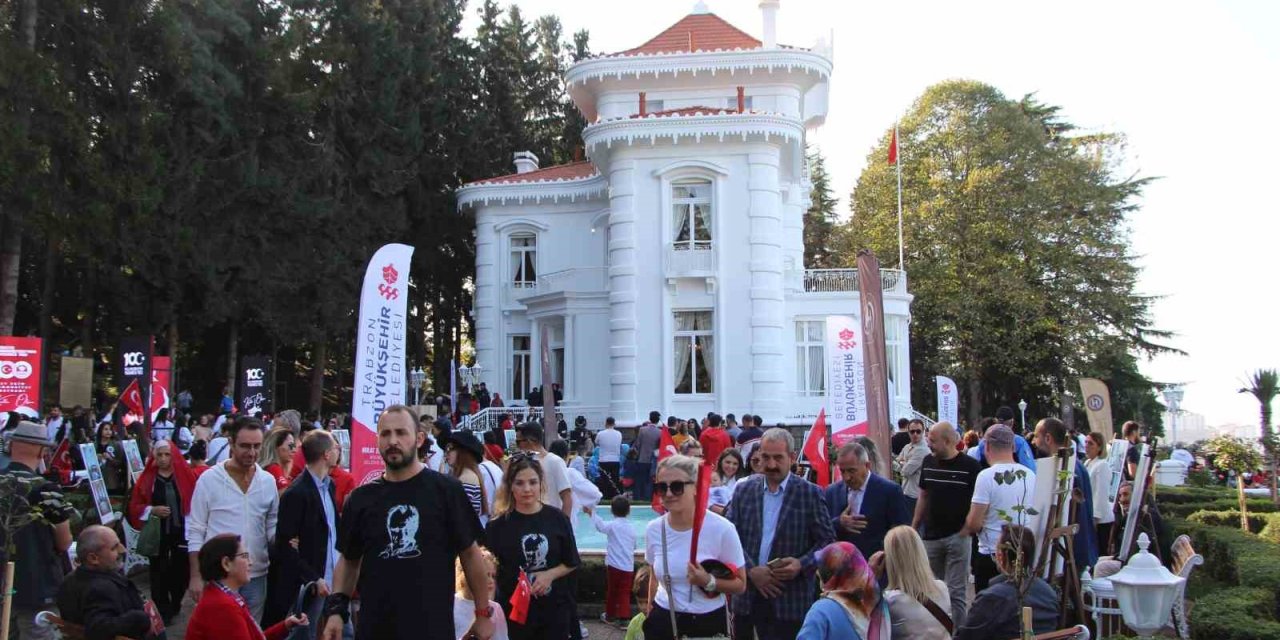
782 523
865 506
307 532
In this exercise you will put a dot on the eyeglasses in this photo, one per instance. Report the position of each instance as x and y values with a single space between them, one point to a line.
243 554
676 487
916 432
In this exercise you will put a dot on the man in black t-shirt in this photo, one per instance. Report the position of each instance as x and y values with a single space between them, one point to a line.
1133 433
902 438
399 537
946 490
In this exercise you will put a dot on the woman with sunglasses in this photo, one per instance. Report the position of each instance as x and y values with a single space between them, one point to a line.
528 536
277 456
687 598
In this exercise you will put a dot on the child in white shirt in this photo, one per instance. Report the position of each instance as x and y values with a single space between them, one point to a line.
619 559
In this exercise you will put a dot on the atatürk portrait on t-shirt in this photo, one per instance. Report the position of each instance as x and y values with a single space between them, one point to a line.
402 530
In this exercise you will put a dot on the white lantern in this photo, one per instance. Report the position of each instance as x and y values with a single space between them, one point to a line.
476 372
1145 590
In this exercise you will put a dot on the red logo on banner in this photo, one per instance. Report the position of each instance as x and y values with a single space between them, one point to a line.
390 293
846 340
19 373
389 274
946 388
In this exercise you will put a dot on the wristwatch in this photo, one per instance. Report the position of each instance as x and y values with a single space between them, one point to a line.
485 612
711 584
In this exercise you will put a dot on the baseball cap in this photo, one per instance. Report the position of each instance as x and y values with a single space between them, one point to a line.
999 435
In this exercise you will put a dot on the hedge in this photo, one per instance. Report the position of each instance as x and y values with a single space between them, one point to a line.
1236 613
1246 609
1263 525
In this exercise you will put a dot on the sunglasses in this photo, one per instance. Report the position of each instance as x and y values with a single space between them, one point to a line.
677 487
916 432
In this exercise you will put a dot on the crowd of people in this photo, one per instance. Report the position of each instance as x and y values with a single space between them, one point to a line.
259 528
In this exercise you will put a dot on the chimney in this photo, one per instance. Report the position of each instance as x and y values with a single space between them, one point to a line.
769 9
742 99
644 108
525 161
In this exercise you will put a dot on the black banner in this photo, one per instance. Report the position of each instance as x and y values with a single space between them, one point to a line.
134 377
255 384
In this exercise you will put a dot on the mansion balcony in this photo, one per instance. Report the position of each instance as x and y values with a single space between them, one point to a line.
892 281
686 261
575 280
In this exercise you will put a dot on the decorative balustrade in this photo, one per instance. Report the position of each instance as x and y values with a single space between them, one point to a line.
697 261
846 280
576 280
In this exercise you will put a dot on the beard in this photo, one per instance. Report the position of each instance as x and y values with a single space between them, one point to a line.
396 464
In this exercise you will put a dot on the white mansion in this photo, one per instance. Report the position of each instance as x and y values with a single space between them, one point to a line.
668 268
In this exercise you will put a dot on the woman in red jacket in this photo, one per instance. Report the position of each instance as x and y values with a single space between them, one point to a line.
221 613
163 492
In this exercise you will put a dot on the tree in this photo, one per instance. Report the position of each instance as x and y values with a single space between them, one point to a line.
1264 384
1239 456
1016 244
820 219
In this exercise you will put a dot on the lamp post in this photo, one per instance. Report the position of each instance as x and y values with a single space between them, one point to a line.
1022 406
1173 398
416 378
1145 590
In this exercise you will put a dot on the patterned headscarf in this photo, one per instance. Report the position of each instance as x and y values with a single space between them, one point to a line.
843 570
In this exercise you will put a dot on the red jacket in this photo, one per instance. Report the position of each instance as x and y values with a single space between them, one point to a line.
219 617
714 440
184 476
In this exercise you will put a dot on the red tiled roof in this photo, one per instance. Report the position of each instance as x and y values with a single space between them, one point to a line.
697 32
570 171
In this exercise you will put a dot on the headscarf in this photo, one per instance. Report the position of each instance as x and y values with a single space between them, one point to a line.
848 579
184 478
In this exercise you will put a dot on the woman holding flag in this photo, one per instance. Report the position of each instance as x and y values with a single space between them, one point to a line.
696 556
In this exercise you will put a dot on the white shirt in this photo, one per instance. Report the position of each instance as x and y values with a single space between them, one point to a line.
910 462
1002 497
1100 482
620 553
610 443
52 428
491 476
557 477
718 541
218 506
464 615
219 450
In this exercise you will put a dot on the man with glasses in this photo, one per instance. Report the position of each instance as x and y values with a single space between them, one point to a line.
237 497
909 461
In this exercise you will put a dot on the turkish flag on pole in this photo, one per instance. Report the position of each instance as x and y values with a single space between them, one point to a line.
815 449
893 147
700 511
666 448
520 599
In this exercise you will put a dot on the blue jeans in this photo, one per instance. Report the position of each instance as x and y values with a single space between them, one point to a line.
255 596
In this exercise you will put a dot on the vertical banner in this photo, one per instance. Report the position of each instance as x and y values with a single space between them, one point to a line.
20 374
255 384
380 346
1097 404
75 382
948 401
846 409
136 354
161 376
875 361
96 484
549 424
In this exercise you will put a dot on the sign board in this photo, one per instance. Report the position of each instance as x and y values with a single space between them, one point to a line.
96 484
343 438
846 387
134 457
948 401
255 384
75 384
20 374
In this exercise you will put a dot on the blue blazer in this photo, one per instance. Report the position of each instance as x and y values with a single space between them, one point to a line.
803 529
882 502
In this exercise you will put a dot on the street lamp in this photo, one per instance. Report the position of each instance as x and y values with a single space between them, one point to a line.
1145 590
1022 406
1173 398
416 378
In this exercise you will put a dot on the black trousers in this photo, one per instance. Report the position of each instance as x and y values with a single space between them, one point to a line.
611 482
771 629
170 572
657 625
984 569
551 624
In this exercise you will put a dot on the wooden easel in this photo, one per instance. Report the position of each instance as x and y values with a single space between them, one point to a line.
1058 544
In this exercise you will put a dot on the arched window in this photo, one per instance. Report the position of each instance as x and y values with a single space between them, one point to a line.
524 260
691 211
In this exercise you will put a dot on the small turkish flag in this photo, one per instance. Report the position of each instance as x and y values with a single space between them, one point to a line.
815 449
893 147
520 599
132 397
666 448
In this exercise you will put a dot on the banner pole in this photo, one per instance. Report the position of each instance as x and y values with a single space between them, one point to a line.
898 165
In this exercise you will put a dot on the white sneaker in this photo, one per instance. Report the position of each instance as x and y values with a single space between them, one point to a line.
583 628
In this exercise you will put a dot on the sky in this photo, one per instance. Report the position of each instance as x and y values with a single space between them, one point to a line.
1193 86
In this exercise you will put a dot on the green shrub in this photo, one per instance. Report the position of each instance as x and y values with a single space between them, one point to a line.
1237 613
1184 509
1264 525
1232 556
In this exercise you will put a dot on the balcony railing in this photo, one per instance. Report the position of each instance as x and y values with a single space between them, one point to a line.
846 280
576 280
683 260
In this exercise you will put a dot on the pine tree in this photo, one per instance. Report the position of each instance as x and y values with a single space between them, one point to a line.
820 219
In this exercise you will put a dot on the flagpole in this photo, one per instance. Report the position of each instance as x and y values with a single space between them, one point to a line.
898 165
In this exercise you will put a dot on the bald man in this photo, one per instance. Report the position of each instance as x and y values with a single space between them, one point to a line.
97 596
946 489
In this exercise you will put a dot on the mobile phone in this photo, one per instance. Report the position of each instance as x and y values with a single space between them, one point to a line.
774 563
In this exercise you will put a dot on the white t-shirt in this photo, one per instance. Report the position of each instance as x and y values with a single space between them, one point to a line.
557 478
1002 497
491 476
464 615
621 550
1100 482
610 443
219 451
718 541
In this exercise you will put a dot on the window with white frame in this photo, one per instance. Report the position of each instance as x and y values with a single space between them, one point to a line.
521 363
524 260
811 374
893 336
691 215
694 350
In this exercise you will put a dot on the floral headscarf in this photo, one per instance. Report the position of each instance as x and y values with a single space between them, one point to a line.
848 579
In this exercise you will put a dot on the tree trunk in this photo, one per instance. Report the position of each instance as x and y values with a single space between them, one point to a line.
319 360
975 401
47 291
233 356
1244 514
172 339
11 227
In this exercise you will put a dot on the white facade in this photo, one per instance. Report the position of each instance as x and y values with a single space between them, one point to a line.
669 266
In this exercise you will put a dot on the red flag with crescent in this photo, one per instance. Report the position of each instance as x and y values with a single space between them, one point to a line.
666 448
815 449
520 599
